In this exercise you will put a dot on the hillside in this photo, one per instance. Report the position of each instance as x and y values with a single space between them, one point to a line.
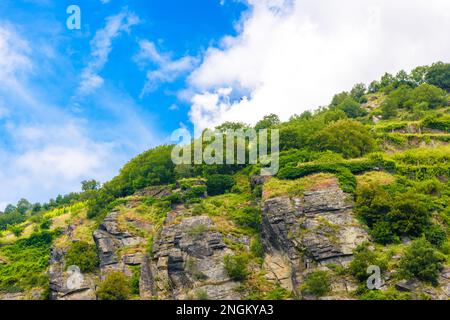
363 182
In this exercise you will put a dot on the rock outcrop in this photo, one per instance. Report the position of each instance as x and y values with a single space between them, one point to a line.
61 286
304 233
110 239
187 262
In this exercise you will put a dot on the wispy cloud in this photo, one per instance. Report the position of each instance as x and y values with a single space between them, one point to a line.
293 55
165 68
101 47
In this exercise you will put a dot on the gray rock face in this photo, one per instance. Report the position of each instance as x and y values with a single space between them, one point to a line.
155 192
187 262
60 284
304 233
109 240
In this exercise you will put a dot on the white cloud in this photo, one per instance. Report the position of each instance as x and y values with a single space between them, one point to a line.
167 69
13 52
290 56
101 46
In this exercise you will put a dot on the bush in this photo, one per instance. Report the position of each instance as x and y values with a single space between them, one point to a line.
316 283
115 287
16 230
392 214
420 260
195 193
236 267
363 257
219 184
347 137
248 217
435 235
382 233
82 255
257 248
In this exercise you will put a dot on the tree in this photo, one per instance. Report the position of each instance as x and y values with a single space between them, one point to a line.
358 92
351 108
347 137
232 126
268 122
23 206
89 185
428 96
339 98
418 75
439 75
422 261
115 287
10 208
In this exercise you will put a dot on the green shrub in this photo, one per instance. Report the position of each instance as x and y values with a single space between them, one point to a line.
45 224
115 287
248 217
236 266
219 184
82 255
257 248
382 233
16 230
385 295
316 283
347 137
421 260
391 214
435 235
27 263
363 257
195 193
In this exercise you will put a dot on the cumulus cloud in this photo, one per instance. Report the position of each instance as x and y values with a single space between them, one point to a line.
165 68
101 46
290 56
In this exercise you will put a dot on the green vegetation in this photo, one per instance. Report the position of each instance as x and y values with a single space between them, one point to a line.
219 184
363 257
422 261
116 286
82 255
316 283
236 266
27 263
387 145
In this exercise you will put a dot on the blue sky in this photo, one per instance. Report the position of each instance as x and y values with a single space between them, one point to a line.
56 126
78 104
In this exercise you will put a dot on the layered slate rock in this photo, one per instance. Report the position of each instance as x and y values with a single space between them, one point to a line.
110 239
187 260
304 233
